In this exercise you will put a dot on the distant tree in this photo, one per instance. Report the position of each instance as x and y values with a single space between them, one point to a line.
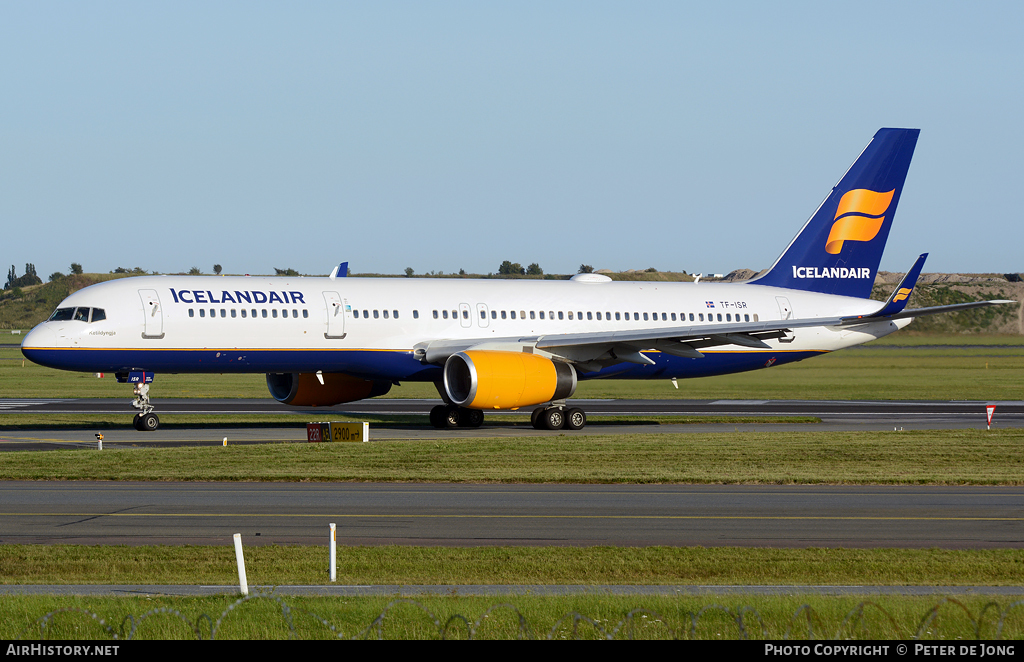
462 272
195 271
217 269
651 270
585 269
76 268
56 275
286 272
30 277
409 272
534 270
511 269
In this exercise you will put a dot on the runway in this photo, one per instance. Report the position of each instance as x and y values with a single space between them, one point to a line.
833 415
429 514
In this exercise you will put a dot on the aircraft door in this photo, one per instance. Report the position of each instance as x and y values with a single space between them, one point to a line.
335 316
785 310
465 315
481 311
154 315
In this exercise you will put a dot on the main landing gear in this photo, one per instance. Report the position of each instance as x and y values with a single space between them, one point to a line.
146 420
453 416
555 417
558 417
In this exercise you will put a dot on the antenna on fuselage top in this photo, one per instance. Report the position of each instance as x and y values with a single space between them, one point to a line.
340 271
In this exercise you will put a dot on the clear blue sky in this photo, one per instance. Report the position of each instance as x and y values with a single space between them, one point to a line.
447 135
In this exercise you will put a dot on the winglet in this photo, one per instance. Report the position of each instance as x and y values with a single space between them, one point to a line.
898 300
340 271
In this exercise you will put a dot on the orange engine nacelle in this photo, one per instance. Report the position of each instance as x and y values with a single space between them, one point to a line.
487 379
303 389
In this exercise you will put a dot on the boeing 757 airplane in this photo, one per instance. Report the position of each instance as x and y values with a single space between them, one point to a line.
491 345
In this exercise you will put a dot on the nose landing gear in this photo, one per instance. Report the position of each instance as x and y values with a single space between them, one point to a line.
145 420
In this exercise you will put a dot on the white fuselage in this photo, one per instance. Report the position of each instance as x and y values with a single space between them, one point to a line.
370 326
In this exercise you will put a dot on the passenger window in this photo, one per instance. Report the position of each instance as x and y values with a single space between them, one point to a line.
522 314
503 314
395 314
243 313
701 317
483 315
234 313
636 317
542 314
295 313
355 314
435 314
273 313
719 317
755 317
728 317
191 313
691 317
617 316
570 314
264 310
223 312
533 314
213 312
415 314
746 318
560 316
444 314
512 314
202 312
305 313
590 315
385 314
254 313
98 315
645 317
494 314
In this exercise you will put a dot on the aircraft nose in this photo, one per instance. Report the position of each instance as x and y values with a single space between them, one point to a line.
41 337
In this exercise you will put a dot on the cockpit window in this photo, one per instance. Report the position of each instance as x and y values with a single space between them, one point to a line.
78 314
62 314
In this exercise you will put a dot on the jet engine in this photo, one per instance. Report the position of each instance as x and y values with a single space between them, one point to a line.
489 379
303 389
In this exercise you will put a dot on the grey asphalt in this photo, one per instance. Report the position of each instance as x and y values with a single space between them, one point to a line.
134 513
834 415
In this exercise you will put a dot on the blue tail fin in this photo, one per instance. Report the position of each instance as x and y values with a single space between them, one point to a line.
840 247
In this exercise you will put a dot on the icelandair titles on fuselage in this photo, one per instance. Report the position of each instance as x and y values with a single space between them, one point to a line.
236 296
831 272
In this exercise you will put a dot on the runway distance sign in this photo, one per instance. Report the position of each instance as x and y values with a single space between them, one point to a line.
338 431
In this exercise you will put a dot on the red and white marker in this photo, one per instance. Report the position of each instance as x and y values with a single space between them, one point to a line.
990 409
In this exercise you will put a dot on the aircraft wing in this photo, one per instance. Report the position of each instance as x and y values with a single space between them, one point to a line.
611 347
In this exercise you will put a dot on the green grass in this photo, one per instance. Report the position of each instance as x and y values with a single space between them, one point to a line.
916 370
939 457
796 617
408 565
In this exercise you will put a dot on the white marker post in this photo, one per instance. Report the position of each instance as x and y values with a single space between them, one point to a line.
334 553
243 585
990 409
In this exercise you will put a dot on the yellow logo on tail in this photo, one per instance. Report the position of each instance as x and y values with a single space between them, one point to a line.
903 293
862 213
